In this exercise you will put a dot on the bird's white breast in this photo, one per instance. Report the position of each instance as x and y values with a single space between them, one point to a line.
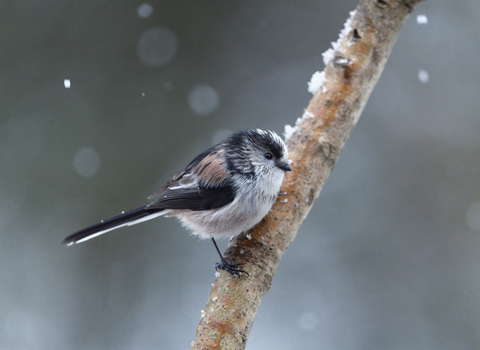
247 209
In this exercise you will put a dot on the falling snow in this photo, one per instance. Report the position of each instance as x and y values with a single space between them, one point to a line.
423 76
422 19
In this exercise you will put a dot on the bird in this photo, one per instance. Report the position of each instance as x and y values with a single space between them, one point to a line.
222 192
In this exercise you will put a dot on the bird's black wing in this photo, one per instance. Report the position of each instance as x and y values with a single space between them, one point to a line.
202 198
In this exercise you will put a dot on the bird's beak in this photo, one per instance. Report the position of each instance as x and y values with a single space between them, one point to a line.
284 166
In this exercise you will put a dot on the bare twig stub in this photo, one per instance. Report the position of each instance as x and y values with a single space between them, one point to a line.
353 67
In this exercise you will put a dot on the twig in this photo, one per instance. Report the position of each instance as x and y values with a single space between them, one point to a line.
352 70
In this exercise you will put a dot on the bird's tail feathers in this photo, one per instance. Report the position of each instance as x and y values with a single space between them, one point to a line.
128 218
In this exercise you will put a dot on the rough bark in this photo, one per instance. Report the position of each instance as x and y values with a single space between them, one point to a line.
314 148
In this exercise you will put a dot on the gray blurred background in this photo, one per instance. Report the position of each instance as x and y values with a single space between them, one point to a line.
102 101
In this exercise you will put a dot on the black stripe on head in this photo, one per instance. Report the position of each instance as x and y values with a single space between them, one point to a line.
241 144
261 140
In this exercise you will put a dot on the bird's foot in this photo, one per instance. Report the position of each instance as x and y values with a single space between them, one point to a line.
232 268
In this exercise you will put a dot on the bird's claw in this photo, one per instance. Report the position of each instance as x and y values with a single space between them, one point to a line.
232 268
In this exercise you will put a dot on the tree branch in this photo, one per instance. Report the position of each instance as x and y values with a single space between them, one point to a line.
353 68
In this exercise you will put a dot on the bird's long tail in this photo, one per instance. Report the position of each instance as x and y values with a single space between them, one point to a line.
128 218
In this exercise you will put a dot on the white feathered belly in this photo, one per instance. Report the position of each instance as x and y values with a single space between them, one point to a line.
230 220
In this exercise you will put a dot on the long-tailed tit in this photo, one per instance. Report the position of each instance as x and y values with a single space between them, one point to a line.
223 192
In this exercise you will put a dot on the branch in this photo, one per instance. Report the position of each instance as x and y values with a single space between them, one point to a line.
352 70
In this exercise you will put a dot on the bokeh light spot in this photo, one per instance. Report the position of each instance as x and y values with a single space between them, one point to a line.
203 99
86 162
308 321
145 10
156 47
473 216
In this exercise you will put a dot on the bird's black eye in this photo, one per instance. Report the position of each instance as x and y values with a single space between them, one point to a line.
269 155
